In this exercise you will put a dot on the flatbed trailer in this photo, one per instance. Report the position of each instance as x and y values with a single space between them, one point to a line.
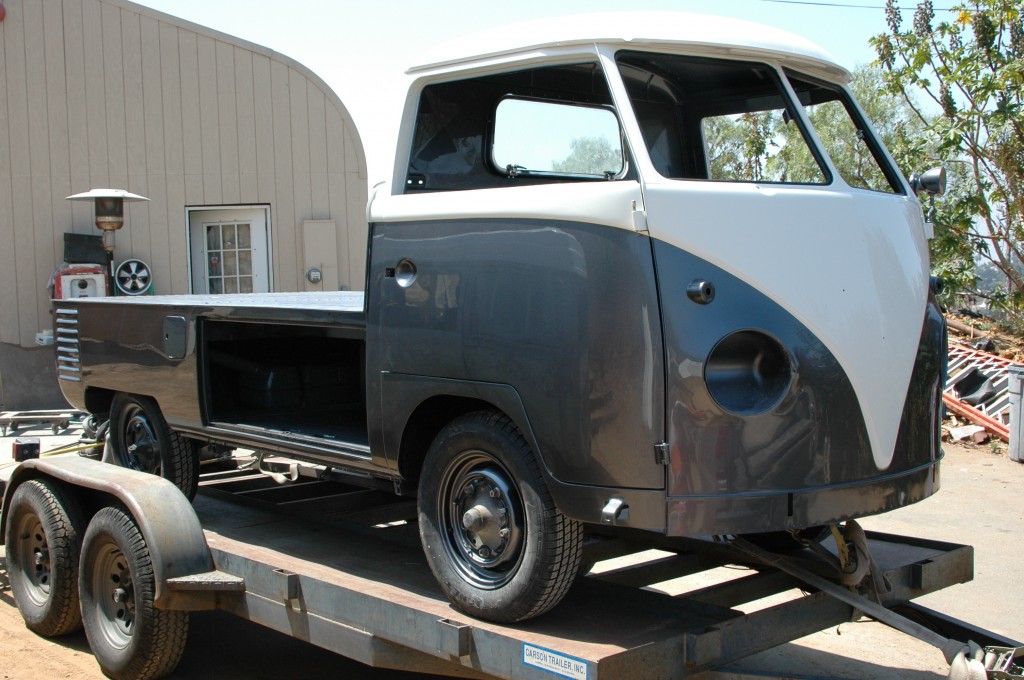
339 566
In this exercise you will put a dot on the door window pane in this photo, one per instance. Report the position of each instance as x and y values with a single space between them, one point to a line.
720 120
553 138
229 258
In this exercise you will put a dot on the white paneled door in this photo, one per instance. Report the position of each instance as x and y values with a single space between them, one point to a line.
229 250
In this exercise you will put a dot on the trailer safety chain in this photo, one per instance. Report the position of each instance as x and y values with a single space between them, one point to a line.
968 661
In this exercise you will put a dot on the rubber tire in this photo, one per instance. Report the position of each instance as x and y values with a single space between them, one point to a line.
549 544
177 457
48 601
151 644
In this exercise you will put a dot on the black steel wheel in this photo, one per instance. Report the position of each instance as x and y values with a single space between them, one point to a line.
44 525
493 537
141 440
129 636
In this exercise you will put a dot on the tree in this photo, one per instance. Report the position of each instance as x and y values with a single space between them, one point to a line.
590 156
970 71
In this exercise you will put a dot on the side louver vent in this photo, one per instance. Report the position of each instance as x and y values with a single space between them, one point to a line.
69 365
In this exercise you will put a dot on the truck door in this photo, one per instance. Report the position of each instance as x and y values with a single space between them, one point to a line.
795 371
499 269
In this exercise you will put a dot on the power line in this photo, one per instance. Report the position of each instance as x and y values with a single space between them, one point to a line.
847 5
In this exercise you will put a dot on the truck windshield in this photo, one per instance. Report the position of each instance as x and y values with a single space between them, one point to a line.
724 120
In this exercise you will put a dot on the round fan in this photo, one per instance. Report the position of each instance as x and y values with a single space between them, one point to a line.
133 277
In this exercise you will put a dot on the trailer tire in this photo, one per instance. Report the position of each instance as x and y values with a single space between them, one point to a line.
493 536
140 439
44 531
128 635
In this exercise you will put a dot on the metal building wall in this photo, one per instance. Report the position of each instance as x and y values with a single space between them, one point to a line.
105 93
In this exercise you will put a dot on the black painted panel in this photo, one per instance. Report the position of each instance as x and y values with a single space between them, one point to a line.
564 312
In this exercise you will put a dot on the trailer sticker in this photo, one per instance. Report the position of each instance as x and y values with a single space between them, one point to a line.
553 662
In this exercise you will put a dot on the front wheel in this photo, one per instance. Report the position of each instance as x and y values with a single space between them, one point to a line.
129 636
44 530
496 542
140 439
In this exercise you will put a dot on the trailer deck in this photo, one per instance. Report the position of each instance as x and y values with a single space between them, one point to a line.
341 567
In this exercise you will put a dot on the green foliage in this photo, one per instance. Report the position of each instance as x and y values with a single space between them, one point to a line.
590 156
971 70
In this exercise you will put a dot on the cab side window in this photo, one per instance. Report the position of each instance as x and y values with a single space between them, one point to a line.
552 124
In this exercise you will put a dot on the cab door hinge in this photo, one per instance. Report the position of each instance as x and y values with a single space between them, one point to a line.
661 453
639 218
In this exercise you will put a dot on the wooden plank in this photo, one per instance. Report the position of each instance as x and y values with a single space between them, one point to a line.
57 125
134 239
358 231
135 120
78 131
95 95
38 164
208 123
337 189
302 206
150 241
169 256
191 132
158 255
351 155
335 137
24 249
17 115
8 259
320 202
113 91
264 134
176 280
245 115
227 122
170 78
284 227
56 92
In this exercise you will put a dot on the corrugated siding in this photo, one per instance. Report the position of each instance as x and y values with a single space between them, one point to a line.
103 93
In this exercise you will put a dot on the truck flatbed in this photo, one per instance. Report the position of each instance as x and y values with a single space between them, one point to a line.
333 306
354 581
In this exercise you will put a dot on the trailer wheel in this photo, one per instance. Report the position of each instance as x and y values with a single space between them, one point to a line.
141 440
44 529
129 636
493 537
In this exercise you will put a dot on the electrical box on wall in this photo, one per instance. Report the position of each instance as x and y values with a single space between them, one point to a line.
87 280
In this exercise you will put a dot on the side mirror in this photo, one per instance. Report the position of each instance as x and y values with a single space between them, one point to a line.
932 182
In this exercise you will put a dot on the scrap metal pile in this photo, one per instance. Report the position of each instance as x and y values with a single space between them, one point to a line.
977 388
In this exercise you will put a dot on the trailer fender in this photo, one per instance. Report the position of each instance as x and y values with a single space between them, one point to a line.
165 517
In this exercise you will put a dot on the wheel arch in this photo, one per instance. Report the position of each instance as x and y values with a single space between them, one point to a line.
99 399
423 425
164 515
421 406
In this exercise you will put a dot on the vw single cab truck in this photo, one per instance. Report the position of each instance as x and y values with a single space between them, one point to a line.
591 301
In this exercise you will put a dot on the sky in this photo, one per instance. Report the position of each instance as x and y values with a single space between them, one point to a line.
361 48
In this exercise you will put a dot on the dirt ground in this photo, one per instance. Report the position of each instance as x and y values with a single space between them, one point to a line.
979 504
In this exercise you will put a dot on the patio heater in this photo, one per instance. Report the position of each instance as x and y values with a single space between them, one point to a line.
109 209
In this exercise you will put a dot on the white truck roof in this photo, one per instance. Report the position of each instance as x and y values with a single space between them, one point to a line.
664 31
